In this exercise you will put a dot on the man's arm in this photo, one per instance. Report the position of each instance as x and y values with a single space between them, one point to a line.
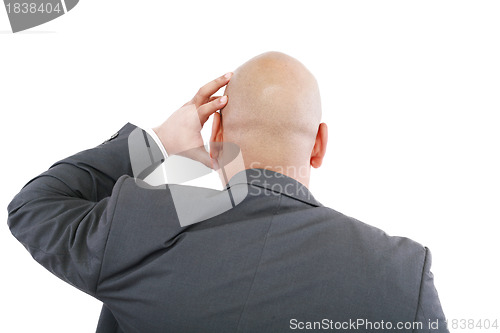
429 311
62 217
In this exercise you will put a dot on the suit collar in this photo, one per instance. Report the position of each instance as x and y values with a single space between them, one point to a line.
276 183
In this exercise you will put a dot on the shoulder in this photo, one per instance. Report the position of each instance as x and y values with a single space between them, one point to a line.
373 240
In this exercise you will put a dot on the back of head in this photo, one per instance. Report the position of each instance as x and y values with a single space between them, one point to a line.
273 112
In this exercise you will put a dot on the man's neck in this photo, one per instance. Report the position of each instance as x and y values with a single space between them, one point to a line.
299 173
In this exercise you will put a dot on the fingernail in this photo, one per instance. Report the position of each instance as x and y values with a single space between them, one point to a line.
223 99
228 75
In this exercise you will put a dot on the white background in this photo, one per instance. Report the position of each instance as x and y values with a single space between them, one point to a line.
410 92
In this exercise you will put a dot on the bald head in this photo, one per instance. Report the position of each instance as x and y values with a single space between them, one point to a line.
273 113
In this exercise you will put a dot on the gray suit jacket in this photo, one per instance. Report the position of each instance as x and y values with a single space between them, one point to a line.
277 261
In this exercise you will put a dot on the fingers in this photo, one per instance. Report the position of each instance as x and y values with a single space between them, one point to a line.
191 102
203 95
206 110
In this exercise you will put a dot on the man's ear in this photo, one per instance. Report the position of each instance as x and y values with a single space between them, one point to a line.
319 149
216 135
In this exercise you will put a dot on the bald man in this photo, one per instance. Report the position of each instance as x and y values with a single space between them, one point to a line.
261 255
273 115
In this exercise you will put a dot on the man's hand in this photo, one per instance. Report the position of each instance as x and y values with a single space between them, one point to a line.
180 133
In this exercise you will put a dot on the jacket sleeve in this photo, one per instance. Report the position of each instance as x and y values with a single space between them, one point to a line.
63 216
429 311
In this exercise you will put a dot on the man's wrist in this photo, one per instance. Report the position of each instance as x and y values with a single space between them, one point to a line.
157 140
